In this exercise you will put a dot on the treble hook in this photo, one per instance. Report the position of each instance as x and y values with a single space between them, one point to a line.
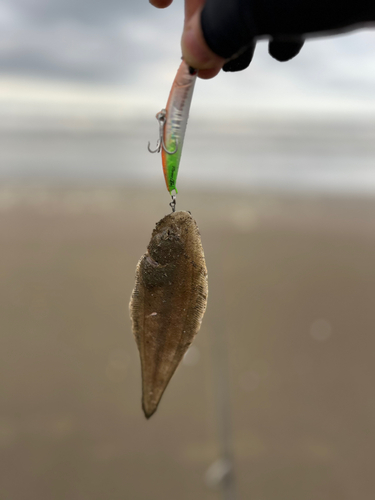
173 203
161 118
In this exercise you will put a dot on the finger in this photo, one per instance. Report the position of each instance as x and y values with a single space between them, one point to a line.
283 49
161 4
191 6
207 74
194 48
242 61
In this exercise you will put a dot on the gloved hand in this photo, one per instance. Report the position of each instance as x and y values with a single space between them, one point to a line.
232 26
224 32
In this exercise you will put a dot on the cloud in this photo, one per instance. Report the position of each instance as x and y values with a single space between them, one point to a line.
132 50
82 40
84 11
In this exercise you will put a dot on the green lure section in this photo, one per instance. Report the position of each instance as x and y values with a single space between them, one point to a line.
171 163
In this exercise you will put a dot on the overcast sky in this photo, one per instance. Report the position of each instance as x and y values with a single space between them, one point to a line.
120 56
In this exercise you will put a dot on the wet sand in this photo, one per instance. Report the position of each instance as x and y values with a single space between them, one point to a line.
291 289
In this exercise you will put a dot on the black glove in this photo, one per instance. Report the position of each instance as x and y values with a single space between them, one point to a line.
231 27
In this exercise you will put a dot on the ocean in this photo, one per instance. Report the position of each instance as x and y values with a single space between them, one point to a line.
328 156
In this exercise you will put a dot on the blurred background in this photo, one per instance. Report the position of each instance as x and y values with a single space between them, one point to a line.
275 399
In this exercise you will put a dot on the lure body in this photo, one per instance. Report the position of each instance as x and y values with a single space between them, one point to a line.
168 302
177 113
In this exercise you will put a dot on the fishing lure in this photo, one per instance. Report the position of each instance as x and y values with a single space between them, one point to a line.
172 125
168 302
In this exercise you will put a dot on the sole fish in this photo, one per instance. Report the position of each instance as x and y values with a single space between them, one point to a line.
168 302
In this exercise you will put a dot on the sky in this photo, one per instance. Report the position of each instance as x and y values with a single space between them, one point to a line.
118 58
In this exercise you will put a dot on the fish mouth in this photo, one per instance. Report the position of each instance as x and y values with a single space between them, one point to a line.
151 261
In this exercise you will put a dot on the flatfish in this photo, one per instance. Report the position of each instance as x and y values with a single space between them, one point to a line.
168 302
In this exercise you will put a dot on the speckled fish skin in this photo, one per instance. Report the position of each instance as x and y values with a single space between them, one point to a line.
168 302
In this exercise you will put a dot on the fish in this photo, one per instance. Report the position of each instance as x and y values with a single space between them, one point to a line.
168 302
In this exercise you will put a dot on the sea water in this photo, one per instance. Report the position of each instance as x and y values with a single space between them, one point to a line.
300 155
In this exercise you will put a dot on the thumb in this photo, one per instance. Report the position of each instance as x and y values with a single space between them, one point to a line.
195 50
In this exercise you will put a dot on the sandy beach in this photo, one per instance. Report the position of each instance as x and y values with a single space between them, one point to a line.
291 295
